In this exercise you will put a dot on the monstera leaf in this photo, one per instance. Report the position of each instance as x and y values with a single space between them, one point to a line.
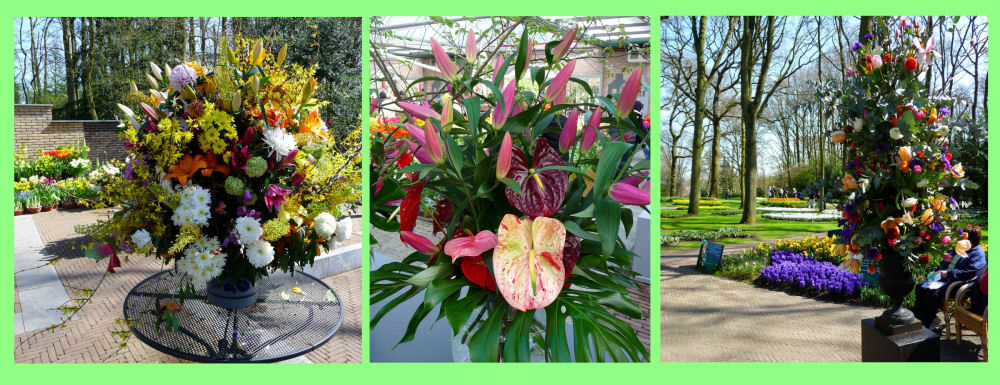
528 261
541 192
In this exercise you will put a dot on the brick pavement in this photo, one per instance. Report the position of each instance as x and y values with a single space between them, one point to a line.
389 244
88 339
707 318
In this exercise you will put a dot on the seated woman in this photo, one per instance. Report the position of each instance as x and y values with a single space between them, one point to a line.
960 265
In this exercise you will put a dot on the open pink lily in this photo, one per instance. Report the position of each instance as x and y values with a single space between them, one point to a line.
470 246
418 242
568 135
528 261
626 100
628 194
542 191
443 61
560 50
925 53
558 84
419 111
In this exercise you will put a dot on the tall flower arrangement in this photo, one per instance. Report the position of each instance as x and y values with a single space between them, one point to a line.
529 196
231 172
900 174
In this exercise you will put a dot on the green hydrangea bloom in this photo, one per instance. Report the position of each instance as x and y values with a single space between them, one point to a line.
256 166
235 186
275 228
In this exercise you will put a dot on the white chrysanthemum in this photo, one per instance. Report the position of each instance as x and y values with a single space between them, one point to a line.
182 216
198 195
200 215
200 266
344 227
209 244
141 238
260 253
325 225
281 142
248 230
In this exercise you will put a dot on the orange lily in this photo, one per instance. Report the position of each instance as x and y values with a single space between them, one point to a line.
313 124
213 165
186 168
276 117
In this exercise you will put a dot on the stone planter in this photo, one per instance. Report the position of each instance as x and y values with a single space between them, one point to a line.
227 295
896 282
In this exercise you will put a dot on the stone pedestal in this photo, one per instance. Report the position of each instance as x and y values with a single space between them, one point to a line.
921 345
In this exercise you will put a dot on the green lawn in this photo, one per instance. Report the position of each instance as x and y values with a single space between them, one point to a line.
763 230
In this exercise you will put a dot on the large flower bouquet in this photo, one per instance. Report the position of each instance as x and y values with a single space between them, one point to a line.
529 208
899 174
231 172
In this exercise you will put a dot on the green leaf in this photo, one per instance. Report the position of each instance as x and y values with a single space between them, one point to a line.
440 289
439 270
485 343
513 185
607 167
522 55
454 152
555 334
458 312
472 110
516 347
574 228
619 302
607 216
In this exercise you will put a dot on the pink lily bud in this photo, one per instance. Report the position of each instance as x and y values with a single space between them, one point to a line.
628 194
569 131
500 115
496 69
445 65
447 107
470 47
418 242
419 111
558 84
560 50
590 131
626 100
434 146
503 159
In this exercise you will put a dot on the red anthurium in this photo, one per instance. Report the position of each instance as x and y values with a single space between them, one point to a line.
571 254
472 245
442 215
410 207
475 270
541 192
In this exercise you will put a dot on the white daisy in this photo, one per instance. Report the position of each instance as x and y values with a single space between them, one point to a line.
260 253
325 225
141 238
281 142
248 230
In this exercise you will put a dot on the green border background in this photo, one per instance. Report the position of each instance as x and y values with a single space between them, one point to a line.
655 372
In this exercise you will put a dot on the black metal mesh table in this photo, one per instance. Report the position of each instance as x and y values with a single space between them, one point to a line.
273 329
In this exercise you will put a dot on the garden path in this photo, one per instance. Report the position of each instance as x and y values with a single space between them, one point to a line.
88 338
707 318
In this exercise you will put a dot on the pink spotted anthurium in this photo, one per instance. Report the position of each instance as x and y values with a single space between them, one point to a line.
528 261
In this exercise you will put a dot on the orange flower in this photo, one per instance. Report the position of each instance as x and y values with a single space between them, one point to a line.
276 117
212 165
186 168
313 124
849 182
927 217
253 111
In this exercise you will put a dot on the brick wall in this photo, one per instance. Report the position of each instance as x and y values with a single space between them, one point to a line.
35 130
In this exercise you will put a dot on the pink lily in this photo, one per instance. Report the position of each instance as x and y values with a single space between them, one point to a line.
628 194
569 131
925 53
590 131
434 146
418 149
626 100
500 115
419 111
496 69
558 84
470 47
560 50
471 246
444 62
418 242
503 160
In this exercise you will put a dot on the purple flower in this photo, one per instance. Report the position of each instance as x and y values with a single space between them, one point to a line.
943 111
856 46
244 211
246 198
936 227
274 196
869 36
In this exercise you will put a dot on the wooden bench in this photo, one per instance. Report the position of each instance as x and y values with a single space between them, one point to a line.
709 256
967 320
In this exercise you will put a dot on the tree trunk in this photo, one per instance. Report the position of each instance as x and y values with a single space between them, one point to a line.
70 61
822 134
91 52
747 57
697 142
